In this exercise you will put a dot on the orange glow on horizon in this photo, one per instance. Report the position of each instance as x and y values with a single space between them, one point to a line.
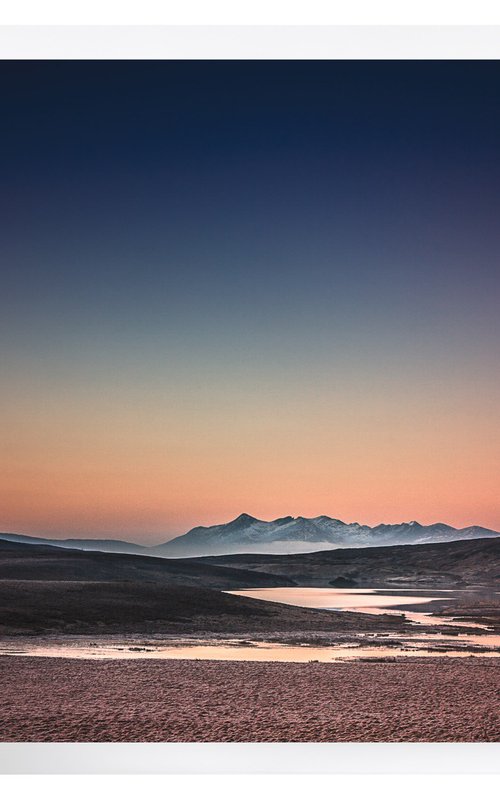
128 476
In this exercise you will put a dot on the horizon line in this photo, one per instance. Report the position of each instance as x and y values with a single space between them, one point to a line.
116 538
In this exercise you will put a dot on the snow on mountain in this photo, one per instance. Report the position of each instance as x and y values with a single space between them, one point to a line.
246 534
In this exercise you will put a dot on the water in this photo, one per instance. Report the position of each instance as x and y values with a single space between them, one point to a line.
367 646
369 601
356 646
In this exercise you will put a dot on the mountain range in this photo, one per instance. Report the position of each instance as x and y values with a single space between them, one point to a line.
286 535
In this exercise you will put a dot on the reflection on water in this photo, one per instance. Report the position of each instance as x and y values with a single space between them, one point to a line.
368 601
365 647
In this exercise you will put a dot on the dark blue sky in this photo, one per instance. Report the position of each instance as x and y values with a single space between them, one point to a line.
262 178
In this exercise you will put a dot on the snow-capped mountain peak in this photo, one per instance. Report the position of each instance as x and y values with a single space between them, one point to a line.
302 534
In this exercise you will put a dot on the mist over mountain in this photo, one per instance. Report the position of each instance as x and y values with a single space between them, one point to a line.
285 535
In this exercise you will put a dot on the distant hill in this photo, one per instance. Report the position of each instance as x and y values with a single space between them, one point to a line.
471 563
26 562
285 535
445 564
103 545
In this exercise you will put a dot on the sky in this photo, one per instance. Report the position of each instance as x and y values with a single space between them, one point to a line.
260 287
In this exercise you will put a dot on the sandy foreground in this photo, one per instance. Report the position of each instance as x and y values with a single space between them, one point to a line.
433 699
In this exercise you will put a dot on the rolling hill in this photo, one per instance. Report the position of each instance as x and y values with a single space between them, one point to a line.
49 590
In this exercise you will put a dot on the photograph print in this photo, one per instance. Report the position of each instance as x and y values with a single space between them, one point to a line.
250 441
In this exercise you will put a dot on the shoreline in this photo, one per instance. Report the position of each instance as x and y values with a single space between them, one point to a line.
243 646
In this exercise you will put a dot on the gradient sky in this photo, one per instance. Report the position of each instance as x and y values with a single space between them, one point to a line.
262 287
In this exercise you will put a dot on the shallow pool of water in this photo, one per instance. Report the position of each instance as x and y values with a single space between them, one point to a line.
366 647
368 601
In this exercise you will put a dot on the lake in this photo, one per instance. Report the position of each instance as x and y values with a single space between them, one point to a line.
360 645
369 601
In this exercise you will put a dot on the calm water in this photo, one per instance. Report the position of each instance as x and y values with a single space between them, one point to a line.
369 601
365 645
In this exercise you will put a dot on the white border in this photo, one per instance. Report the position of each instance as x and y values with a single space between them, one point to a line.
249 12
213 758
249 42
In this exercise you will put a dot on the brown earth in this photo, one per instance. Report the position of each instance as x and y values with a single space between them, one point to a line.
429 700
93 607
30 562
